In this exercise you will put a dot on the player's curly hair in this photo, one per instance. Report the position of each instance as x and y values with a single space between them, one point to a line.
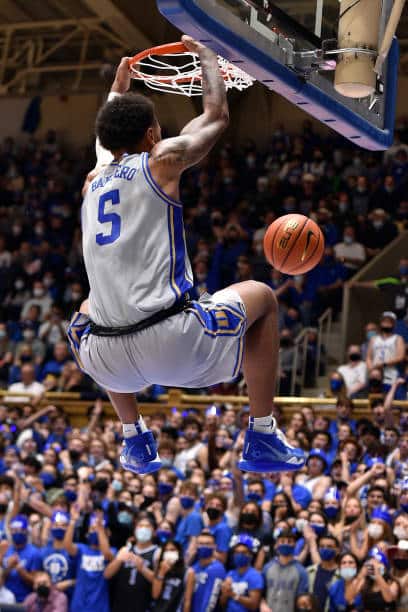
122 122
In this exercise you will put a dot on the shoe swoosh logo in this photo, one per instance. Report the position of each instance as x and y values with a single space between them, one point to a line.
308 239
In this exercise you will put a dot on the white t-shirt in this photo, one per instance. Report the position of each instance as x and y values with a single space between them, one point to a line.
353 375
35 388
6 596
355 250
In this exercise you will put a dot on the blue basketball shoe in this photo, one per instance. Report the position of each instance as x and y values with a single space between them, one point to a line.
139 454
269 452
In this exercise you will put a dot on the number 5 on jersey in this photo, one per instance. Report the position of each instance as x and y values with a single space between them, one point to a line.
112 218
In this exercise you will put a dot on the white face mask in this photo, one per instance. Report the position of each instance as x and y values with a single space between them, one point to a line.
171 556
28 334
143 534
348 572
300 524
37 292
375 531
400 532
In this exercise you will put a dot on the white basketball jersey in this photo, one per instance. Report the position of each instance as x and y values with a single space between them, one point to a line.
385 349
133 244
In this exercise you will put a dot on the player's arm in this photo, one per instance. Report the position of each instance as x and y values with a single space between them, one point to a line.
171 156
120 86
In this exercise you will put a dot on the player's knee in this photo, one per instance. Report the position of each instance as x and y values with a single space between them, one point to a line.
267 296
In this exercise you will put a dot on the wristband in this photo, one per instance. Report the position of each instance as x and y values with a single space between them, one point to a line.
112 95
159 577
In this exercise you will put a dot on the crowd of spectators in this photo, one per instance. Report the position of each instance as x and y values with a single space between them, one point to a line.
76 531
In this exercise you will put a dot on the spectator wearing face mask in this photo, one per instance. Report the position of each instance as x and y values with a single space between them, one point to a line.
242 588
354 372
169 579
205 577
379 591
284 577
340 590
371 330
46 596
20 559
191 522
55 559
350 252
323 574
215 507
398 557
29 333
132 568
379 529
337 386
379 232
40 298
91 587
386 350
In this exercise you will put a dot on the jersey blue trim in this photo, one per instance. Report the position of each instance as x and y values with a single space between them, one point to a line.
170 228
156 188
180 252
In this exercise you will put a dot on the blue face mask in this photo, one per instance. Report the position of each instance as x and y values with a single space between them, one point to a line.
318 529
93 539
48 479
285 550
335 385
327 554
70 495
370 334
163 535
204 552
241 560
58 533
19 539
187 502
165 488
404 507
255 497
124 518
331 512
403 270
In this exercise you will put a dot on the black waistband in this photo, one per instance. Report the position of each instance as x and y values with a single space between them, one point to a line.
179 306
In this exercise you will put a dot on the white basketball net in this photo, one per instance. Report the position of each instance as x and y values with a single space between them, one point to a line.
183 75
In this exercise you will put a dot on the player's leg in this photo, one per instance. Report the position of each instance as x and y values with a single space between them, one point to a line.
139 453
265 446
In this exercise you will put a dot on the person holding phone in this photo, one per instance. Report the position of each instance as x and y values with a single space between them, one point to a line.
379 591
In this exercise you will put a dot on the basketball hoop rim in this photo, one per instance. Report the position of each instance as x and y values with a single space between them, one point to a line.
169 48
176 48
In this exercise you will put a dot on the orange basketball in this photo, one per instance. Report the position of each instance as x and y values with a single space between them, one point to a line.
293 244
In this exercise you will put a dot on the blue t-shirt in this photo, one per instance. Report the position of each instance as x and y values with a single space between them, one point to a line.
30 559
91 591
190 525
208 581
242 584
337 597
58 563
222 534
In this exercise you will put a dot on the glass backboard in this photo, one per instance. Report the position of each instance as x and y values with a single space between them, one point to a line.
291 46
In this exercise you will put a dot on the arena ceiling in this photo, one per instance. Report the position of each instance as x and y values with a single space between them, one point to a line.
65 46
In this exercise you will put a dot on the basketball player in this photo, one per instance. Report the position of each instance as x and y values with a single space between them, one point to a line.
139 326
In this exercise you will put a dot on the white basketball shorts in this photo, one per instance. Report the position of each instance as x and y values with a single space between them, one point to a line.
198 347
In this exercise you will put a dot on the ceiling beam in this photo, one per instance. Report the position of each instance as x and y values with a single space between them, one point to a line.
119 23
